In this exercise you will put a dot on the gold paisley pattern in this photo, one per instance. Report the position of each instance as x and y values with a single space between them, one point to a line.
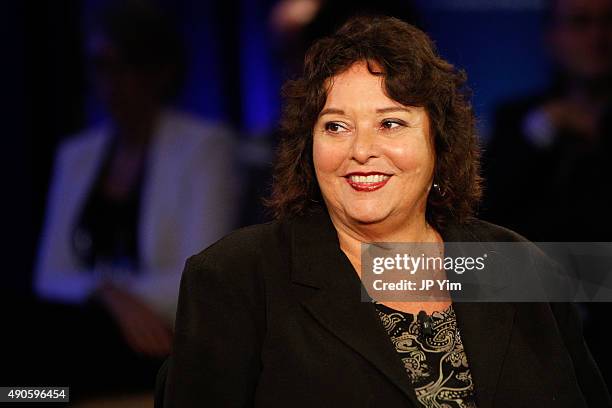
436 364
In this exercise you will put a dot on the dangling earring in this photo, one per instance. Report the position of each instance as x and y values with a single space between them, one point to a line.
438 189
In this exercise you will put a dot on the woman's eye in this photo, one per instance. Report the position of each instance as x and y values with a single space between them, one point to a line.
334 127
391 124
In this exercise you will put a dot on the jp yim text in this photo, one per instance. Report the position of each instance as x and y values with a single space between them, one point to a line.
424 285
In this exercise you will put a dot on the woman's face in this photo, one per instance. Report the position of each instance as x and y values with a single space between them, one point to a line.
373 157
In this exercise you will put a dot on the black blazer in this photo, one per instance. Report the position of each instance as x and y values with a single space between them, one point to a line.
271 316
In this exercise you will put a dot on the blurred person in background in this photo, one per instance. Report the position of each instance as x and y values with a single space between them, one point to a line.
130 200
554 147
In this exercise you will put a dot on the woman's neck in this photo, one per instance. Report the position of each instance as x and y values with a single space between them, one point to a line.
351 236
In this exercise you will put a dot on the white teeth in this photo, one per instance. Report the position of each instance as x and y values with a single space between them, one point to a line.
372 178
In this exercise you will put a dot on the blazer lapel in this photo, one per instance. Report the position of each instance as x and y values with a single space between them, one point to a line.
319 262
485 331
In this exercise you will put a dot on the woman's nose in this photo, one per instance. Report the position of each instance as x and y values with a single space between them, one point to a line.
364 146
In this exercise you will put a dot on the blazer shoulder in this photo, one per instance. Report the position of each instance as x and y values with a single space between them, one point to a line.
522 250
483 231
241 249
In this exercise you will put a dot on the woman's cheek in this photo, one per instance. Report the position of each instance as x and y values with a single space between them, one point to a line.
327 155
402 157
408 157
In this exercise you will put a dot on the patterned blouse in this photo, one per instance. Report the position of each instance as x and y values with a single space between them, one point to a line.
436 363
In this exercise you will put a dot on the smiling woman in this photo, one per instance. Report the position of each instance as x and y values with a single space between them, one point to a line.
378 146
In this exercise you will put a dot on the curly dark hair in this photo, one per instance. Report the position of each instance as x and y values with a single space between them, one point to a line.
414 75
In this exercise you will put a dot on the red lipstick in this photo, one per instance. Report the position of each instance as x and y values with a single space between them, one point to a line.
367 181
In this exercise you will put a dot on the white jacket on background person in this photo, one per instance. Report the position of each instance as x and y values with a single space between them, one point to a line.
189 200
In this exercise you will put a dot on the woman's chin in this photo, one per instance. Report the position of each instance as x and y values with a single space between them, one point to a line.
367 216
